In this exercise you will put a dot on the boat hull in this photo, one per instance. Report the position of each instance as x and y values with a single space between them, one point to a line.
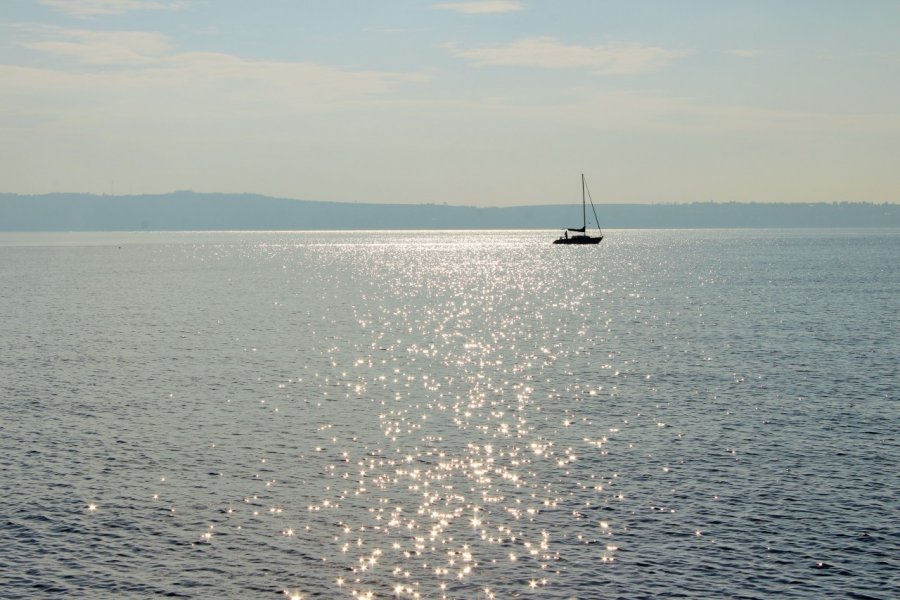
579 239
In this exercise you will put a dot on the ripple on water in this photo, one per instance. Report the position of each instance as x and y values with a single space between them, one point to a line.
454 415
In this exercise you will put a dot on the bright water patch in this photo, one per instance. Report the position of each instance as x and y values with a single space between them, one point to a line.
450 415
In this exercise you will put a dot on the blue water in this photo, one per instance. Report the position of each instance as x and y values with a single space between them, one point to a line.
697 414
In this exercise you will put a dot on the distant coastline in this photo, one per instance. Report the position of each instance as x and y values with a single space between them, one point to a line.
189 211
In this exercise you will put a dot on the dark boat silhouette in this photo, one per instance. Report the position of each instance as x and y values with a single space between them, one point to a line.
581 236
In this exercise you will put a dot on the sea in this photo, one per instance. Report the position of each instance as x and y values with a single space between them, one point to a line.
450 414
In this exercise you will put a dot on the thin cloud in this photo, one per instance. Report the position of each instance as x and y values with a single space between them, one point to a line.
94 8
139 76
678 115
481 8
104 47
548 53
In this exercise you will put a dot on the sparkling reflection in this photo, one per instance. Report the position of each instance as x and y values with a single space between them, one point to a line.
472 469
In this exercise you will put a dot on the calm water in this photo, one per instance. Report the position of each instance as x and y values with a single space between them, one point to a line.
450 414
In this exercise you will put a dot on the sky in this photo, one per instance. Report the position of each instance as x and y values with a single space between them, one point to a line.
485 103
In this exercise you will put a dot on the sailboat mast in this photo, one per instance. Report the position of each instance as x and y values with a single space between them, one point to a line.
583 207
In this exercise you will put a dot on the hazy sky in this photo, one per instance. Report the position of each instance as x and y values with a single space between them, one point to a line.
481 102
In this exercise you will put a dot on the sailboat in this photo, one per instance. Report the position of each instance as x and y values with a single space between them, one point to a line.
581 236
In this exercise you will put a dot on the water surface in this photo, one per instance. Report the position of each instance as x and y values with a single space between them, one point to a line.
450 415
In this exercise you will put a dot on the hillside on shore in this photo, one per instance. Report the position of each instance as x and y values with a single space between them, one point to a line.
195 211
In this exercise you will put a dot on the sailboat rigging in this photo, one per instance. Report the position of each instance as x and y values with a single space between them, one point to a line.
582 237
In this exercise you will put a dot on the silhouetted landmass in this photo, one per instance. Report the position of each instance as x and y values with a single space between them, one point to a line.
192 211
